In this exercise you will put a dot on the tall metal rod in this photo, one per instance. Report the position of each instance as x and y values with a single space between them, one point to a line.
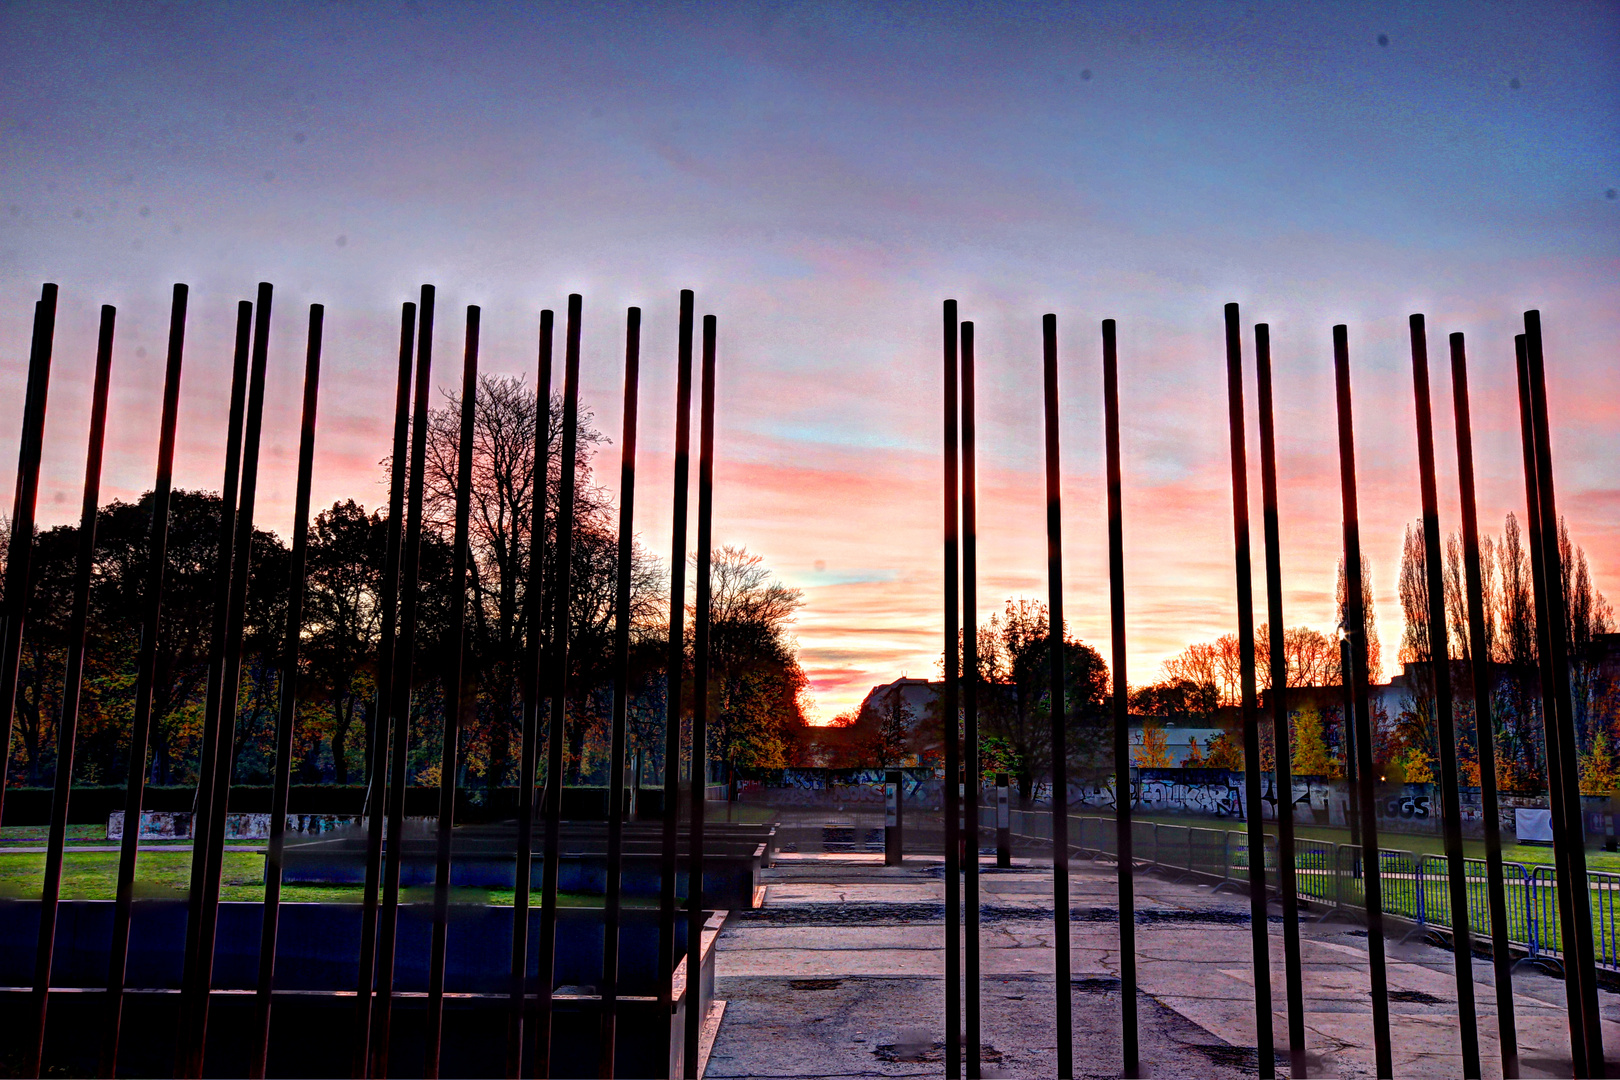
950 719
140 735
676 663
533 695
377 728
1578 947
621 692
400 697
224 552
194 1036
1462 938
453 650
562 594
1555 779
970 712
1297 1064
73 678
1356 632
1128 1035
695 916
1258 938
20 554
288 712
1056 690
1479 655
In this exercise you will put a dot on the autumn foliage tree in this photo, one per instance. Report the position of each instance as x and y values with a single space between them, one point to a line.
1014 693
757 683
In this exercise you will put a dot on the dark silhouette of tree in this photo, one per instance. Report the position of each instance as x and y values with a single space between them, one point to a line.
44 652
1180 701
118 599
342 622
503 493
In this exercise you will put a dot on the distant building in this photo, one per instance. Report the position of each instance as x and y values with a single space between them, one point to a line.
919 696
1386 700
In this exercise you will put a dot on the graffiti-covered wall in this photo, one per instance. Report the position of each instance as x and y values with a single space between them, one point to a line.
1400 808
839 787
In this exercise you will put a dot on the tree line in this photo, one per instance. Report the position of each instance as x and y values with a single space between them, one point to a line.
1202 686
1202 680
755 693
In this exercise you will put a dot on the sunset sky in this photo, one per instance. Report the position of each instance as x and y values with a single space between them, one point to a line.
824 175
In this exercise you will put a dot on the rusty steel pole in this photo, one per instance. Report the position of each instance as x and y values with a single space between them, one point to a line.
621 693
288 713
193 1038
202 813
695 916
72 680
400 697
562 594
1130 1044
1356 632
1057 706
20 554
675 670
533 697
454 659
1293 977
951 720
382 709
1462 940
1569 851
1259 942
145 667
970 718
1479 656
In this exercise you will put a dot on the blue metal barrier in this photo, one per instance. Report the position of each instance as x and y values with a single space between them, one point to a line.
1415 886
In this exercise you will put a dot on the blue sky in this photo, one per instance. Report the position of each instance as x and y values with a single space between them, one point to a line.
824 175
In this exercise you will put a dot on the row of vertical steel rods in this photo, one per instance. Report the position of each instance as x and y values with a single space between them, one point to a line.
961 737
389 735
1574 901
18 587
961 757
1251 718
529 1045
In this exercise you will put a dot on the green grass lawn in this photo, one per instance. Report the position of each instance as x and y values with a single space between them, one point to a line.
1527 854
1404 893
93 875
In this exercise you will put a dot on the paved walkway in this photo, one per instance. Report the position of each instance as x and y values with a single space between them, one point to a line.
840 975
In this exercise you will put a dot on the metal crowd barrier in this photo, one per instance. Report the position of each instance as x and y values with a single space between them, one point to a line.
1328 875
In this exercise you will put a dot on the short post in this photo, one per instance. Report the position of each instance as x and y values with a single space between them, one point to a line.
634 783
891 819
1003 823
965 830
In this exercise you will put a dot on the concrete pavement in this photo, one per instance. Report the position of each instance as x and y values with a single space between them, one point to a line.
840 974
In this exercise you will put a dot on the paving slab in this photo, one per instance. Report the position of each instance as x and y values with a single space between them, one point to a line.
840 974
